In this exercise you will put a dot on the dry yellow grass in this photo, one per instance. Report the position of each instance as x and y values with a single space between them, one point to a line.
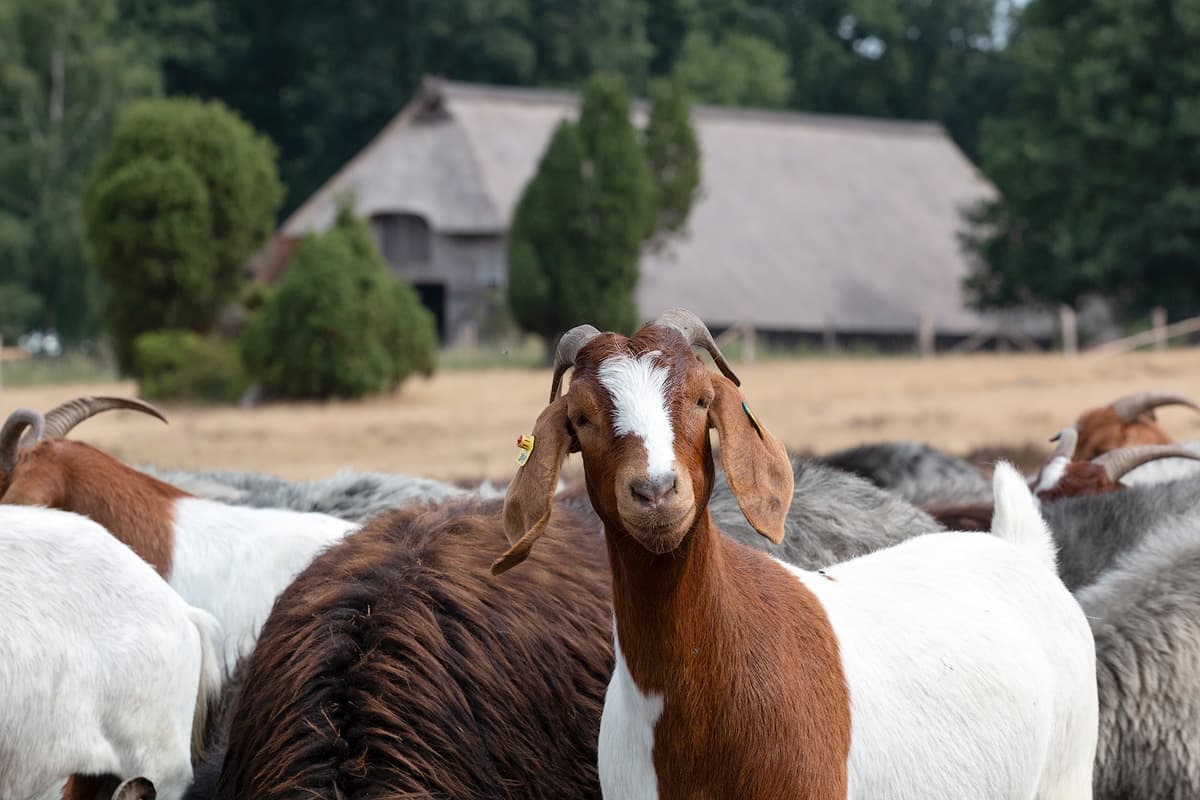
464 424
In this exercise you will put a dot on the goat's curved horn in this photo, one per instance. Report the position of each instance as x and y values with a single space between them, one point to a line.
62 419
1130 407
135 789
1067 438
10 435
568 348
1119 463
696 333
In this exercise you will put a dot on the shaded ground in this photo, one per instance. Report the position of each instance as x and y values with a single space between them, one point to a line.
465 424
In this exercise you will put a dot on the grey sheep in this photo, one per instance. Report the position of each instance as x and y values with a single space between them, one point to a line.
918 473
834 515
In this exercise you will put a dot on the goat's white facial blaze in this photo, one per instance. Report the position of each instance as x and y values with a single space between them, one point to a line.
626 749
638 388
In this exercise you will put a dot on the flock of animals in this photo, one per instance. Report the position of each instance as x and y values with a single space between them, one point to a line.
884 622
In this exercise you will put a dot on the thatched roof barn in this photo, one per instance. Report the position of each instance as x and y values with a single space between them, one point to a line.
805 221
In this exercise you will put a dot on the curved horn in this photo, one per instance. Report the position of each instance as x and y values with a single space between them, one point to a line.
1067 438
10 435
1130 407
696 333
135 789
568 348
62 419
1119 463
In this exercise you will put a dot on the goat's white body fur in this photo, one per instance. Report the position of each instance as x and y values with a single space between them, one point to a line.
970 666
234 561
101 664
638 388
626 752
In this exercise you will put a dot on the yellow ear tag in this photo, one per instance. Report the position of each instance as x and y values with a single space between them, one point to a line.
753 421
525 442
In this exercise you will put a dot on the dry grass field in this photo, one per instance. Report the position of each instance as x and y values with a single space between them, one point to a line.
464 424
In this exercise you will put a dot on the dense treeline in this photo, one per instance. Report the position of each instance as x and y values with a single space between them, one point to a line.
321 78
1082 113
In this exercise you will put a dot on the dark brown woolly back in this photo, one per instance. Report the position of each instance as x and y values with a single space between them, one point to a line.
395 666
962 516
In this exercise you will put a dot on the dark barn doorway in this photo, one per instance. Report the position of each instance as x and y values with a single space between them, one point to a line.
433 297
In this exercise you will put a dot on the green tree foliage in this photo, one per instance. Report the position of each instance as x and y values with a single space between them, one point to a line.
339 325
596 199
181 365
1092 164
408 334
736 70
184 194
321 97
618 206
673 155
66 70
547 242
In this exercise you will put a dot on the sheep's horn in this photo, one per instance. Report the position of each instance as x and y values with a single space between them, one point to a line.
568 348
10 435
1119 463
696 333
1130 407
61 420
1067 439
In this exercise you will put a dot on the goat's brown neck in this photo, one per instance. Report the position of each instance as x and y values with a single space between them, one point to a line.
136 508
746 661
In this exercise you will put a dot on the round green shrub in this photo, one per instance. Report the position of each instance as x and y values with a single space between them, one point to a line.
153 258
181 365
339 324
233 191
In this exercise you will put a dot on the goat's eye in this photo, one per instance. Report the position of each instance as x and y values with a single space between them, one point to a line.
581 420
703 402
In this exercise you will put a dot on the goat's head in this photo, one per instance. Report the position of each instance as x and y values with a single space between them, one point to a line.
639 410
37 462
1127 421
1064 476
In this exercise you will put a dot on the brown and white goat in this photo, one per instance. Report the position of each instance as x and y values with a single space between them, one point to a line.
949 666
1062 476
232 561
1127 421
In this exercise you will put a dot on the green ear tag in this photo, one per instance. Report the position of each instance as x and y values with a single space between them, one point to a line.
525 443
753 421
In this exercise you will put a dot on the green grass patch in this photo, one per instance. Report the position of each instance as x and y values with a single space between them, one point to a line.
68 368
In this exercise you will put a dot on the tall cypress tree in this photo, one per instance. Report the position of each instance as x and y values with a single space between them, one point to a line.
673 155
618 210
595 200
546 242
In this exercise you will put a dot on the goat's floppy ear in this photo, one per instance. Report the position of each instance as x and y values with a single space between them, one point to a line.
755 463
527 504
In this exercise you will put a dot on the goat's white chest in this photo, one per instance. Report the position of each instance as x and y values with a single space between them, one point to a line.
626 756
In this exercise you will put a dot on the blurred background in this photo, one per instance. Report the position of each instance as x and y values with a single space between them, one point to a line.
348 234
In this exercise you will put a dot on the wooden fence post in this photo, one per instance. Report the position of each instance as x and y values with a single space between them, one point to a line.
1070 333
1 360
829 336
1158 321
925 342
748 337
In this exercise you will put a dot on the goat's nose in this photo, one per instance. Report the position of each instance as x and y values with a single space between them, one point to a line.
652 491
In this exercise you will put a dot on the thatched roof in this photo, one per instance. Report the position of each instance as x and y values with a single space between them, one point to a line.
803 218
